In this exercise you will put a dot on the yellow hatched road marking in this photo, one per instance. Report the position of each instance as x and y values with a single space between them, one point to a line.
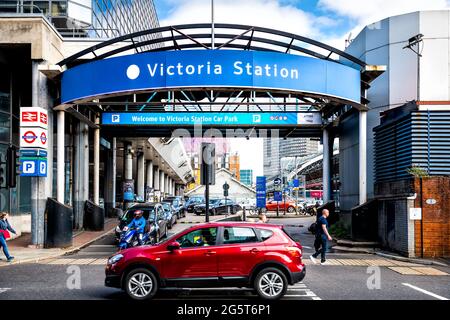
430 271
82 261
406 271
99 262
379 262
61 261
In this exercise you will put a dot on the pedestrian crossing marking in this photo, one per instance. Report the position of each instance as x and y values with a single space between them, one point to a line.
406 271
61 261
405 264
82 261
99 262
430 271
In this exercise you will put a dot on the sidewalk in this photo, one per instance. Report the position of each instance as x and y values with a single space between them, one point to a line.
19 248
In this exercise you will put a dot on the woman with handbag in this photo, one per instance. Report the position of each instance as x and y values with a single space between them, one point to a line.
5 228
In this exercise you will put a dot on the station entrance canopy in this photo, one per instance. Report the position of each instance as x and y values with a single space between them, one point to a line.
246 77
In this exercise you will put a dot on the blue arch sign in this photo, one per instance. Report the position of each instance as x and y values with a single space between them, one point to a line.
210 69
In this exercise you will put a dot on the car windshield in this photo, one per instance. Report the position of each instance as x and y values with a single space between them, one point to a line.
149 214
166 206
194 201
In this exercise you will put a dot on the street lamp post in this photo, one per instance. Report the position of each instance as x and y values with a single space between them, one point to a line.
412 43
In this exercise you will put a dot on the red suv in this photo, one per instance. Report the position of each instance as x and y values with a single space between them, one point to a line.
227 254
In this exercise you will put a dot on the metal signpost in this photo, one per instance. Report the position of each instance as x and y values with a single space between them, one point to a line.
207 172
33 142
226 187
277 194
261 193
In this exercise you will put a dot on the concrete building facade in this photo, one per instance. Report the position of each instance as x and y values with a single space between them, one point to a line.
382 43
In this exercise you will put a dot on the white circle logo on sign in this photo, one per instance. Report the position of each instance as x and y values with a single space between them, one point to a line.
133 72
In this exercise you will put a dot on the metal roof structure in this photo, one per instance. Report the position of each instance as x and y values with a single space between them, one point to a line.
224 100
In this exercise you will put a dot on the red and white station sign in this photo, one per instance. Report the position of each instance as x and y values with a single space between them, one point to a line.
33 117
33 138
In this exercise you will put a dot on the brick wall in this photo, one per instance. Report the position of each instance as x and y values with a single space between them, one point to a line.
436 218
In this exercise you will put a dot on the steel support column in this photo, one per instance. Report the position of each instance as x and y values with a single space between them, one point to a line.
60 161
140 172
128 163
114 171
326 162
362 157
157 179
149 174
41 188
96 178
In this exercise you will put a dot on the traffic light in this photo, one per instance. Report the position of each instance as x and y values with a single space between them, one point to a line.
12 166
207 165
3 173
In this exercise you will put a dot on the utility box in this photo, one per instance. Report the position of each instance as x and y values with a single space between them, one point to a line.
58 225
94 217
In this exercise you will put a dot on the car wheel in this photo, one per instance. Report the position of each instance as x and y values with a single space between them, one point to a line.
271 284
141 284
291 209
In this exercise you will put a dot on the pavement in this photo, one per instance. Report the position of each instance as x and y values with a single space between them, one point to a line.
23 252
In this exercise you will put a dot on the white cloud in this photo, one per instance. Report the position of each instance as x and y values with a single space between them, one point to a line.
264 13
367 12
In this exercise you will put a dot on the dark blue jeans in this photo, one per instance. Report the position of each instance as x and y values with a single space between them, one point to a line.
321 245
4 246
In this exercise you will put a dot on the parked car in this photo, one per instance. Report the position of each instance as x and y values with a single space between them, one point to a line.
170 214
153 213
227 254
192 202
218 206
178 204
289 205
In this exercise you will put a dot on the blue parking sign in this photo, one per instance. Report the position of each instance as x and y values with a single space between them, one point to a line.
33 167
260 192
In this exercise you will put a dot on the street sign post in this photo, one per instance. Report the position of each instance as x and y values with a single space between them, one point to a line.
226 187
261 192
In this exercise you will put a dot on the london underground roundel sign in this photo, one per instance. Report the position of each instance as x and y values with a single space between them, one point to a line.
210 69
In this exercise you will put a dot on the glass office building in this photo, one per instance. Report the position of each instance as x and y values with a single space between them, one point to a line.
247 177
90 18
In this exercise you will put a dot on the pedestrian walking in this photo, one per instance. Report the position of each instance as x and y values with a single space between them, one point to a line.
5 228
262 218
322 238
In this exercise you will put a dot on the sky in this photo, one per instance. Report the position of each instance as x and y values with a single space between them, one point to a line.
328 21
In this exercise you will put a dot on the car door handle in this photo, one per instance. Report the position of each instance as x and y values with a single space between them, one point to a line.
210 253
254 250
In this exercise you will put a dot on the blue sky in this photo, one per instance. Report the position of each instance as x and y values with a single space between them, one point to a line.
329 21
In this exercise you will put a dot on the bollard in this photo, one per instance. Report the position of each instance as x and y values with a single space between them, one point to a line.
243 215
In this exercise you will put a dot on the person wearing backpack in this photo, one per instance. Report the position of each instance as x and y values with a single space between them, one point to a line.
322 238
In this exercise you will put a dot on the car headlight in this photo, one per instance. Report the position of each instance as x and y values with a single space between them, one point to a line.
118 229
115 259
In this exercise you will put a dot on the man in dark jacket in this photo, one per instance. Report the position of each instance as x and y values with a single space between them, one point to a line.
322 237
5 227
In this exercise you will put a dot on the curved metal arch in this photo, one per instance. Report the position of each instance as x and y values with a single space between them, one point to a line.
287 46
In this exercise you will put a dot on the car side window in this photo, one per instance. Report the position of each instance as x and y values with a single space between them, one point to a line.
233 235
265 234
160 213
199 238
